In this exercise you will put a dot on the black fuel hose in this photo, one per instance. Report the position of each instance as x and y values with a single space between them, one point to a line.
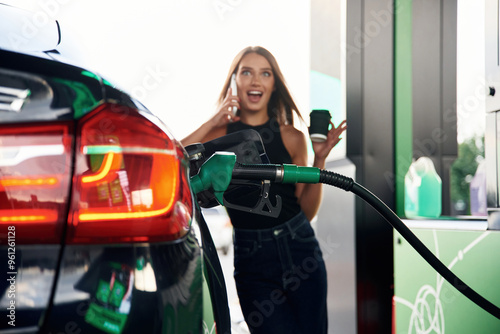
297 174
348 184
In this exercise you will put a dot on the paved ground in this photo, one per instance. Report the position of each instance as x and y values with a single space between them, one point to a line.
238 323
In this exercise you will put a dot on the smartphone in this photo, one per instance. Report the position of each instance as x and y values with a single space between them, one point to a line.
234 91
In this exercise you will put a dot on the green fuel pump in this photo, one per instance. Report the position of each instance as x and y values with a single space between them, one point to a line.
220 170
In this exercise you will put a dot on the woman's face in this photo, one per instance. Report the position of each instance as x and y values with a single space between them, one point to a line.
255 81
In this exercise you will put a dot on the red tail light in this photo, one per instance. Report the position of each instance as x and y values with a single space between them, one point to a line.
35 170
130 184
129 181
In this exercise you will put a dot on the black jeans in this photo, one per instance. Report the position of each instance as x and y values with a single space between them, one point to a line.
280 277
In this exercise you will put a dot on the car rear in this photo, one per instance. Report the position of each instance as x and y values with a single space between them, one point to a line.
95 208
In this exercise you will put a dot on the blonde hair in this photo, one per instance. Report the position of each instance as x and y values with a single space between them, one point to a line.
281 104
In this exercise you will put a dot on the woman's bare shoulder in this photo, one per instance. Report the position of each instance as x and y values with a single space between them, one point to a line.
294 141
291 134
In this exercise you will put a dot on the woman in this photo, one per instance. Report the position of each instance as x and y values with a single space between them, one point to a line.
278 267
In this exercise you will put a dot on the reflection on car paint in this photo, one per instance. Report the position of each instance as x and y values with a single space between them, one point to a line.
110 304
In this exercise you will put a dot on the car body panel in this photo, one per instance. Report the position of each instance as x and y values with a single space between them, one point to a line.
115 288
56 286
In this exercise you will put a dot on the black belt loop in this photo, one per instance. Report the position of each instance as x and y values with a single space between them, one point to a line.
259 238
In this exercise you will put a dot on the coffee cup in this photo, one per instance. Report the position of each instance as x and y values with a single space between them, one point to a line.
319 124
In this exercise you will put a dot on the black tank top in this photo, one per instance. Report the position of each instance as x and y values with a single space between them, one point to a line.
277 153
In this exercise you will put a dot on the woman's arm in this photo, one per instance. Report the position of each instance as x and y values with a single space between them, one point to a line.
207 131
310 195
215 126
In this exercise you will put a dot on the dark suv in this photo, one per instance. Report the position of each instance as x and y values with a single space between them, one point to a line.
96 213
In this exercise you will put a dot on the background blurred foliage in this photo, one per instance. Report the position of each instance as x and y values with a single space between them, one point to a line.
470 153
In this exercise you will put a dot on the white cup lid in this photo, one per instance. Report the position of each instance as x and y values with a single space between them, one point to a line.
317 137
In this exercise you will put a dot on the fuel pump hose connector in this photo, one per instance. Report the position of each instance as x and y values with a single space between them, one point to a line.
288 173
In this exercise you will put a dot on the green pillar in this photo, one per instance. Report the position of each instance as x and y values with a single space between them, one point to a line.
403 132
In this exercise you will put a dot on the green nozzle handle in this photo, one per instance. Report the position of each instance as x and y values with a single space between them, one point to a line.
215 174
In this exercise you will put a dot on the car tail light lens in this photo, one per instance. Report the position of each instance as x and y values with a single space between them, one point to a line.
35 170
130 182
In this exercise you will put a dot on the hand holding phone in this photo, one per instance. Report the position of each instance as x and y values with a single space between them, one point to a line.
234 91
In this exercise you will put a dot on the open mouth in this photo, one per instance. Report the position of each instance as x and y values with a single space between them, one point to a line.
254 95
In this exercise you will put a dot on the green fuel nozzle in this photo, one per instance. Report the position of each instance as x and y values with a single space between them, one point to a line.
218 171
215 174
221 170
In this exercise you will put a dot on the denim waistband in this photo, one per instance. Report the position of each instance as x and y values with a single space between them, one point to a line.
267 234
